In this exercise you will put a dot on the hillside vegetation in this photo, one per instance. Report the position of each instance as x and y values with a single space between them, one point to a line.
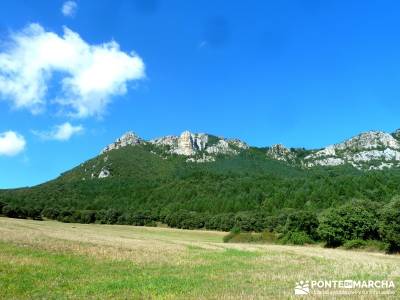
247 191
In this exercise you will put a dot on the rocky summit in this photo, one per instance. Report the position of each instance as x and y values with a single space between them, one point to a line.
372 150
368 150
187 144
127 139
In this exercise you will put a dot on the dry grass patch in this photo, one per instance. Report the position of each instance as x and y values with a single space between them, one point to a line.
111 261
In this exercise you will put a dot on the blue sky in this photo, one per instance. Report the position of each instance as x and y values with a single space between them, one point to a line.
301 73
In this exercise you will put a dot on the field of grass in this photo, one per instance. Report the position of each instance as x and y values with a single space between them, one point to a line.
52 260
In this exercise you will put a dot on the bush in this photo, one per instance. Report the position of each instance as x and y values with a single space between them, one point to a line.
236 236
369 245
355 220
242 237
355 244
87 216
296 238
2 204
249 221
151 224
224 222
389 225
185 219
302 221
268 237
9 211
15 212
51 213
34 213
66 216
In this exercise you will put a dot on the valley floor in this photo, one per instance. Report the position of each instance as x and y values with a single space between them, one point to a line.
52 260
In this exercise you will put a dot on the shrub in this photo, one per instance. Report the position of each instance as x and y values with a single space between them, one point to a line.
15 212
249 221
268 237
302 221
224 222
355 244
369 245
66 216
236 236
242 237
355 220
87 216
185 219
2 204
296 238
389 225
151 224
34 213
9 211
51 213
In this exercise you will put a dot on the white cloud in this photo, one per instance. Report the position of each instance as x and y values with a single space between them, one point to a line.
90 75
69 8
61 132
11 143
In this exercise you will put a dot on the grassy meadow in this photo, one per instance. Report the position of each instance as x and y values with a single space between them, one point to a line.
53 260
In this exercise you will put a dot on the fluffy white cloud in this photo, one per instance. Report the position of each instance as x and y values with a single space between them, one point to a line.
69 8
61 132
11 143
89 75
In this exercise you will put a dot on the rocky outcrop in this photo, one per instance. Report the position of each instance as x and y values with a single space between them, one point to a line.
128 139
280 152
221 147
368 150
169 140
104 173
369 140
238 143
359 151
187 144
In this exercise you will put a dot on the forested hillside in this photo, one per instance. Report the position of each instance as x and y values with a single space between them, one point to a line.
249 191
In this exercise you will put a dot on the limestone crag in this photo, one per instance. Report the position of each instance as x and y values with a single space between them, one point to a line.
367 147
187 144
104 173
128 139
238 143
369 150
280 152
221 147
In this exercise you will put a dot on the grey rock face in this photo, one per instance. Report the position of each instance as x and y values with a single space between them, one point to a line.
104 173
222 147
368 150
359 150
187 144
280 152
127 139
238 143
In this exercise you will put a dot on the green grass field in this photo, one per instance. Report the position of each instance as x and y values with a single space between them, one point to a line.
51 260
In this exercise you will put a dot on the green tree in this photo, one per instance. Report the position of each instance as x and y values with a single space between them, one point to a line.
389 225
355 220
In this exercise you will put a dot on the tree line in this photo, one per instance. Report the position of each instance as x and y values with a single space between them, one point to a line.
351 224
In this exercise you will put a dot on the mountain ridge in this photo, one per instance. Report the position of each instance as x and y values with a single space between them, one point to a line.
368 150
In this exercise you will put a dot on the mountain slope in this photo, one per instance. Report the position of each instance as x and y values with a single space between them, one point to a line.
191 172
211 175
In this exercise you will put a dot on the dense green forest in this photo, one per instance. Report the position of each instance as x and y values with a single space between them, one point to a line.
247 192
